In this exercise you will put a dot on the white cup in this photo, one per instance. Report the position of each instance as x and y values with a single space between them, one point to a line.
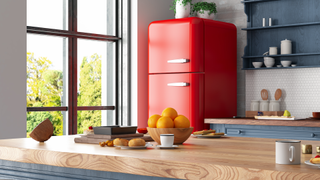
166 140
288 152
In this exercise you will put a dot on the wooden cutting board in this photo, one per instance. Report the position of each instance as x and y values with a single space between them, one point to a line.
101 136
87 140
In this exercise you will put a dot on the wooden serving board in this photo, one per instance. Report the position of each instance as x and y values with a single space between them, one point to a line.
97 140
265 113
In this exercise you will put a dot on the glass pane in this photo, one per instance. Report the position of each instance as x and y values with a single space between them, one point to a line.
96 79
46 71
36 117
48 13
88 118
96 16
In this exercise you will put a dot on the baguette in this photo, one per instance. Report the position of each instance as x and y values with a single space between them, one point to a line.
315 160
204 132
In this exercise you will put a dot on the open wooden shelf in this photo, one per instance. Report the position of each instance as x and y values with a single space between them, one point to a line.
284 55
281 26
254 1
265 68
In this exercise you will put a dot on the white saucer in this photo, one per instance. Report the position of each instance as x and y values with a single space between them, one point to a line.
167 147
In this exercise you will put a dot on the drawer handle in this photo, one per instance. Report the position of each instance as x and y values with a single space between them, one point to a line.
239 132
179 84
179 61
313 135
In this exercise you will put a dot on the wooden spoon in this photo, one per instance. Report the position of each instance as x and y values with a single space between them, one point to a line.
264 94
278 94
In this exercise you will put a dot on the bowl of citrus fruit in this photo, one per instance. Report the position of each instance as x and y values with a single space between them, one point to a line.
169 122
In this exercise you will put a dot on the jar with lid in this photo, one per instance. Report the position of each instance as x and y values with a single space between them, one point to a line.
264 105
286 47
255 105
274 105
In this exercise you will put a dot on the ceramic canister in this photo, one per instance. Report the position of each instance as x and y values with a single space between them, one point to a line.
273 51
255 105
274 105
286 47
264 105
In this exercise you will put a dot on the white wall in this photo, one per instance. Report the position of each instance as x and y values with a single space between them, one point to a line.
143 13
12 69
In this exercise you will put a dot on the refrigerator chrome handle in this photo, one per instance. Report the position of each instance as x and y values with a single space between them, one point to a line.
179 84
178 61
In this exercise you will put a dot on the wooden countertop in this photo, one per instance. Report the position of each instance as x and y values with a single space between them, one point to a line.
252 121
215 158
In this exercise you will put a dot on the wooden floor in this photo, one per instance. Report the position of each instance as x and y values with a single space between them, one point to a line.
216 158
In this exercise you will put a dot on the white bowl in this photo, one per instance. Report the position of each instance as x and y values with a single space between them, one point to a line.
268 62
285 63
257 64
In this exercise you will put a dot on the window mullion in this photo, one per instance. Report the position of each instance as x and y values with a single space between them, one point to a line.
73 89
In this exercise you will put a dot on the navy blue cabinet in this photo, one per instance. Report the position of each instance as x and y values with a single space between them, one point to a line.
295 20
278 132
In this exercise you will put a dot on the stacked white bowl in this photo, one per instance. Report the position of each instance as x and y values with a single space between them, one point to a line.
269 62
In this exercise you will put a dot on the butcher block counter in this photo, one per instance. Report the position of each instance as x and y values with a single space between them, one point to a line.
209 158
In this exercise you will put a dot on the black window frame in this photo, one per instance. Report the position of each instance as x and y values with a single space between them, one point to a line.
73 36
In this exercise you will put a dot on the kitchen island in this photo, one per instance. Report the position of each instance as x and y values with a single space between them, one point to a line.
198 158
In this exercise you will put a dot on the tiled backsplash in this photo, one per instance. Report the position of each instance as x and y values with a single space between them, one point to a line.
300 88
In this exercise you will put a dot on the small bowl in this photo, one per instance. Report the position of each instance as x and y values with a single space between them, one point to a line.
316 114
293 65
285 63
180 134
43 131
257 64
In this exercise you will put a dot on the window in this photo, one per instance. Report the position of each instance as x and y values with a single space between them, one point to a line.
77 64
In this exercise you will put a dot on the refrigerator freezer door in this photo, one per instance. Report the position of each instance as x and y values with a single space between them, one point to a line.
176 45
183 92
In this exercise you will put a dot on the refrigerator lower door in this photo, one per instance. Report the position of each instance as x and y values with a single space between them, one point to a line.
183 92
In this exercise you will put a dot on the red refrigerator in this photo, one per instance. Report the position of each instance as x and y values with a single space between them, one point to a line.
192 68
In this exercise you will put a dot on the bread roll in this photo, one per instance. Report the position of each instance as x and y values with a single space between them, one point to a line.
315 160
137 142
120 142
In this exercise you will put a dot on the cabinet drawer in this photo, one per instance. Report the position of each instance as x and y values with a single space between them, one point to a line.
176 46
282 134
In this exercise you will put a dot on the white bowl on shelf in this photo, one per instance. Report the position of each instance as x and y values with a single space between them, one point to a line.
285 63
257 64
269 62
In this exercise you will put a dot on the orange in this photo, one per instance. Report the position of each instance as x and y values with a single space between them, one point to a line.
181 122
152 121
170 112
165 122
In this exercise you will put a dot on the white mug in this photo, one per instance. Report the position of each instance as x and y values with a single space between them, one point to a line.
288 152
166 140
